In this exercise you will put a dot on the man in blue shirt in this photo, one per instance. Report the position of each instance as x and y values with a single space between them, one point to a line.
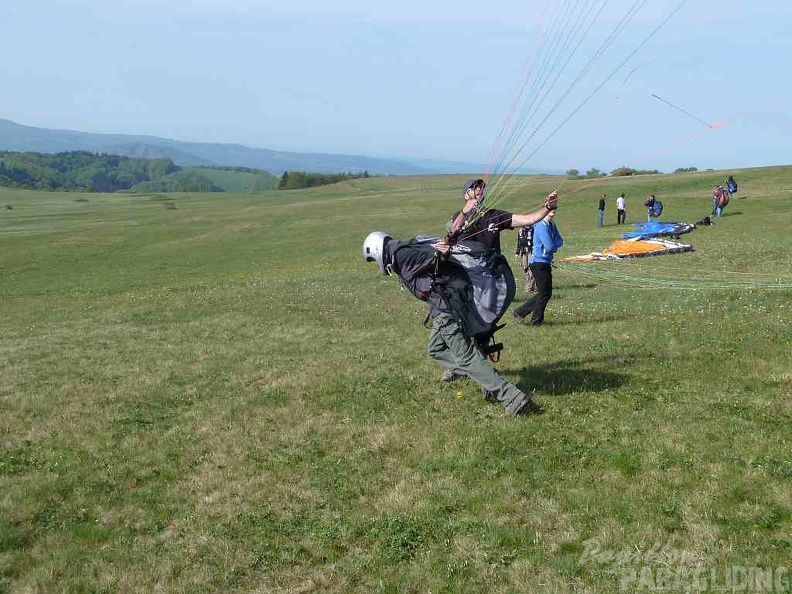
547 240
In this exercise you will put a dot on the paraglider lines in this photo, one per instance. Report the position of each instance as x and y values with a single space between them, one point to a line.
700 121
504 179
732 281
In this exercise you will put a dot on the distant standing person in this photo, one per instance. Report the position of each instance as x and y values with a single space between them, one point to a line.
601 211
547 240
621 210
731 185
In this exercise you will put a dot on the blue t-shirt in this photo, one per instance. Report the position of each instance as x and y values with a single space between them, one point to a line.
547 240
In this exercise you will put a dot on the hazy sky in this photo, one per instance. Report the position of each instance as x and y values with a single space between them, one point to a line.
412 78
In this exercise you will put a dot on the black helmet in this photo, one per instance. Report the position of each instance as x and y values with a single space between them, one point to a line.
472 184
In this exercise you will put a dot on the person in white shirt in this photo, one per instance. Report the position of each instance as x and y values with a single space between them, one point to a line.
621 210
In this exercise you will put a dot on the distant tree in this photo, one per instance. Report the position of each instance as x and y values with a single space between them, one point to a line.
622 172
572 173
594 172
685 169
293 180
627 171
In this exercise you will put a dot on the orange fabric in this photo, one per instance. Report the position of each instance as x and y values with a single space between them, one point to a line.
623 247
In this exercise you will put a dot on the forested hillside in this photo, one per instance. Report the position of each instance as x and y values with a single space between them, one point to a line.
84 171
79 171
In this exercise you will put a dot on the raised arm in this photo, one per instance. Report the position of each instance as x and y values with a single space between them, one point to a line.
521 220
470 203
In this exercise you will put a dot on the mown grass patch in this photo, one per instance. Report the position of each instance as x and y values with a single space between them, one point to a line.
226 397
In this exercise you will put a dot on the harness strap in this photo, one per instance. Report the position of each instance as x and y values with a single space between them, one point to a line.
493 351
488 345
426 320
432 286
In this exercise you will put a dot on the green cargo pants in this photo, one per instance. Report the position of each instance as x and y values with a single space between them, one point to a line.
452 348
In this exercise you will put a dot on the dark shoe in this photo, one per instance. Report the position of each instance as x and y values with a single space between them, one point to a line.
529 407
451 376
517 316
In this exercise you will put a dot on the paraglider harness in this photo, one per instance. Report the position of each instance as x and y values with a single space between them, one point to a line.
525 243
472 283
655 207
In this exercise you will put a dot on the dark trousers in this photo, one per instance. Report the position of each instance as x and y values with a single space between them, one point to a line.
543 276
621 215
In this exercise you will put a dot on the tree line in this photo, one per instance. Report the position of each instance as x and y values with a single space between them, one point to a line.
621 172
294 180
80 171
84 171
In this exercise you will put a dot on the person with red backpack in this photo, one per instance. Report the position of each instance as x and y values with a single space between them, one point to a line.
720 198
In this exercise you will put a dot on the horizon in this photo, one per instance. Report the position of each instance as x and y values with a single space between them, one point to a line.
534 171
356 80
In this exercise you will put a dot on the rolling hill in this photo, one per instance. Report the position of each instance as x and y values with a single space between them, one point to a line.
16 137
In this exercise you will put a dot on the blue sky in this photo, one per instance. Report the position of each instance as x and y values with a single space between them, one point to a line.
413 79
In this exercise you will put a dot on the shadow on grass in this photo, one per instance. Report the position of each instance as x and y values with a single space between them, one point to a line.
568 377
567 321
570 286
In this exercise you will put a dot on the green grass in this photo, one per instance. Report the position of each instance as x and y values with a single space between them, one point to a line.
238 181
203 393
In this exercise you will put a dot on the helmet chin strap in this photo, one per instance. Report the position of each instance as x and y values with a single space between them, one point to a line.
387 259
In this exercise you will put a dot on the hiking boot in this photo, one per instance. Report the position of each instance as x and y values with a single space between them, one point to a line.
528 407
451 376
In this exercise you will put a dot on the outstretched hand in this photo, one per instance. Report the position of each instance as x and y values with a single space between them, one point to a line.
551 203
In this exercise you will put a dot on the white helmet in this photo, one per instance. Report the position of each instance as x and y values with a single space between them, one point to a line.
374 248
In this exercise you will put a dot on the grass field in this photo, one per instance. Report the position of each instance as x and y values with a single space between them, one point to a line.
238 181
204 393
